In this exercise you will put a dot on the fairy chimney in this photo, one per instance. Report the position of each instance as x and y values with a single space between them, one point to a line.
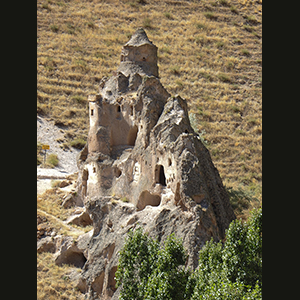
143 163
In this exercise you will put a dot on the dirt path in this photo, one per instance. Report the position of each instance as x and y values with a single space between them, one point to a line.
63 224
48 133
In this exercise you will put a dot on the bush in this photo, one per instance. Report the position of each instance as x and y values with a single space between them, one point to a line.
78 143
52 160
54 27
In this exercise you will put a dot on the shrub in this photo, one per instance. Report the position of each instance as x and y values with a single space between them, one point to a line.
210 15
175 70
52 160
200 26
147 23
78 143
168 15
245 52
224 77
78 98
224 2
233 9
54 27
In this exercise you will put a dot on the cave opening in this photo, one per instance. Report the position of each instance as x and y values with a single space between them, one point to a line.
160 175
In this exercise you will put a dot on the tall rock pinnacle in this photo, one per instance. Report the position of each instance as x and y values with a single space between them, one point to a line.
143 165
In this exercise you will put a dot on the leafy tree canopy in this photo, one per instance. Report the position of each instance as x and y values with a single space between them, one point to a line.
232 270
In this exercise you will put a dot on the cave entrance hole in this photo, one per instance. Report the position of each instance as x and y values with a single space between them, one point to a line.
160 175
146 198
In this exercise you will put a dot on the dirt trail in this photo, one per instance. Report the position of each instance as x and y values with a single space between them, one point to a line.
48 133
63 224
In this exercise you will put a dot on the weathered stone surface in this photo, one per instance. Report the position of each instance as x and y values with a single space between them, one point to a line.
144 165
70 251
72 199
139 55
46 244
80 217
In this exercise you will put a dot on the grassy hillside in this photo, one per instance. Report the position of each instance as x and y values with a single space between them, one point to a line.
209 53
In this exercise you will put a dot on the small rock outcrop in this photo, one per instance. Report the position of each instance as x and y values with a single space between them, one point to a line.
143 165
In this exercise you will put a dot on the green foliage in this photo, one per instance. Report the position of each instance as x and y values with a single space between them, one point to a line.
147 271
78 143
147 23
54 27
242 253
52 160
240 199
78 98
232 270
224 77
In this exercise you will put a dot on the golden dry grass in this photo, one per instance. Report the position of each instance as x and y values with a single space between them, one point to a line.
210 52
49 205
53 281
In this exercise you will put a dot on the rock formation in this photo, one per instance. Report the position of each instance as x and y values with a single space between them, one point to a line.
143 165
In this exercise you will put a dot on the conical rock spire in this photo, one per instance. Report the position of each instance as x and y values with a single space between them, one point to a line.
139 55
139 38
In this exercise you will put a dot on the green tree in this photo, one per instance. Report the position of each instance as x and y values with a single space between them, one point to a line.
232 270
148 271
229 271
242 253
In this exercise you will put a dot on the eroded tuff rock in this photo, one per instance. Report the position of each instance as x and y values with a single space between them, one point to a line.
144 164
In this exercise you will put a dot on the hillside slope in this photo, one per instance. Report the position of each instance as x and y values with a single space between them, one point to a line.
209 53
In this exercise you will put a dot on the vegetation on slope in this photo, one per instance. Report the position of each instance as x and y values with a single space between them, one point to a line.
53 282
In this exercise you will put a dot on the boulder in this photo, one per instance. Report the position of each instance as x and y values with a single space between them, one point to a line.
80 218
70 251
46 244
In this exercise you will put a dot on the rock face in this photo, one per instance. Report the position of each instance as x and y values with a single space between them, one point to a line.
144 165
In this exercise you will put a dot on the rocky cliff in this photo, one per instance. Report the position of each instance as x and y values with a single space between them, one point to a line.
143 165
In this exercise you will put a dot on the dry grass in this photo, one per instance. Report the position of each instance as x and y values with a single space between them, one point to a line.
50 202
49 205
53 281
214 62
209 52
